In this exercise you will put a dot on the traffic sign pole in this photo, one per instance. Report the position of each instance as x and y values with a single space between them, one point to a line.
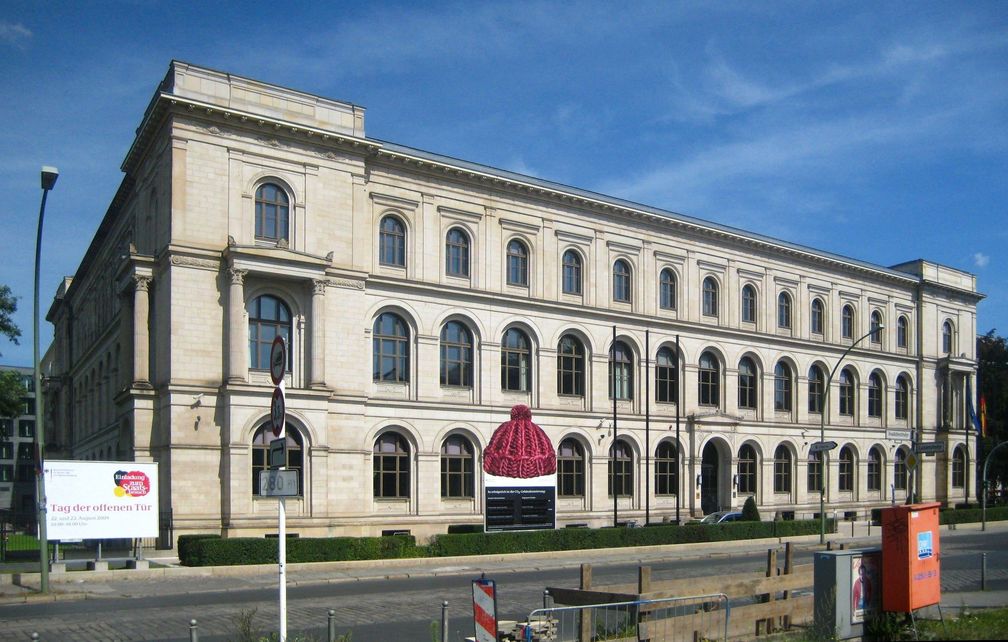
278 416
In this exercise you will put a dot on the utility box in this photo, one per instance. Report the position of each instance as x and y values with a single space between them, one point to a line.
910 553
847 588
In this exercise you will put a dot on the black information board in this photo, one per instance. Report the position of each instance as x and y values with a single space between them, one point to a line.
516 508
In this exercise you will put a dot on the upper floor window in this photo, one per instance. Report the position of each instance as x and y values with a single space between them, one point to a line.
667 290
391 464
570 469
457 253
947 335
709 376
847 322
269 317
666 469
517 263
272 221
874 395
747 469
902 333
516 361
456 355
570 366
748 304
457 465
392 242
784 311
621 371
816 380
818 315
571 272
620 469
846 389
874 477
390 348
260 453
876 327
782 470
783 381
902 405
667 376
621 281
710 297
746 383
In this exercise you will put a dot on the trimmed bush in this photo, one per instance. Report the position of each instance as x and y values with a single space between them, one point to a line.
749 511
189 551
967 515
233 551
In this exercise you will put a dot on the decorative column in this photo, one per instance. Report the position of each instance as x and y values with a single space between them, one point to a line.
141 331
318 334
237 365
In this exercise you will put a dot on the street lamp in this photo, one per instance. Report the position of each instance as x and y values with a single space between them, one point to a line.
822 432
49 176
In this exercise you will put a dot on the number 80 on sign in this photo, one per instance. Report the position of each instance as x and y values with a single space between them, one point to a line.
278 483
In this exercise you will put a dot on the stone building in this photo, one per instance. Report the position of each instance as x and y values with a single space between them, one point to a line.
17 454
424 296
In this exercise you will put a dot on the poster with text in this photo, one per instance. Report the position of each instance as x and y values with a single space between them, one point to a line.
101 499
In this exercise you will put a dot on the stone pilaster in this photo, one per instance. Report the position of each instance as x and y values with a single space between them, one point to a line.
141 331
237 363
318 379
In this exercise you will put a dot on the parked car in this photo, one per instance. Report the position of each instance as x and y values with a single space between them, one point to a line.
722 517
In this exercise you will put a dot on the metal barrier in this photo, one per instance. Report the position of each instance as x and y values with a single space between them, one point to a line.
663 620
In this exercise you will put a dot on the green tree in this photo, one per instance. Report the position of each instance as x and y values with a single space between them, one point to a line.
992 357
8 306
749 511
12 393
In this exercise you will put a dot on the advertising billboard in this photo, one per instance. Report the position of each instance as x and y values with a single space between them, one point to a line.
101 499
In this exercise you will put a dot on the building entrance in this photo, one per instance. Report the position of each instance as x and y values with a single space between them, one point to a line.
709 480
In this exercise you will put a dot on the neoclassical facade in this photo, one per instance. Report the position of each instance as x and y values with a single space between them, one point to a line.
423 296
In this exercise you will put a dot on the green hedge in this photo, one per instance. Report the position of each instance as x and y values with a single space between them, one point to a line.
966 515
217 551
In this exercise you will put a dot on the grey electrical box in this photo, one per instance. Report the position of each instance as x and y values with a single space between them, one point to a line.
848 587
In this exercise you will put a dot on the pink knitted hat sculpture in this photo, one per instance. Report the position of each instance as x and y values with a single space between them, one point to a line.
519 448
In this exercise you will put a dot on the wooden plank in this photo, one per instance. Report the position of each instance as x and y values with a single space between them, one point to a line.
577 597
742 622
744 585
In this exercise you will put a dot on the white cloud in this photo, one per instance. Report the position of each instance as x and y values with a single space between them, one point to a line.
980 260
16 35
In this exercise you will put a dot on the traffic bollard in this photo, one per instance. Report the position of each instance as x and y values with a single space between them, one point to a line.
34 635
193 631
546 597
853 522
983 571
444 621
332 625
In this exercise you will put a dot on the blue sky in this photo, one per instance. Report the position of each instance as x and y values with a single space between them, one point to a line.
874 130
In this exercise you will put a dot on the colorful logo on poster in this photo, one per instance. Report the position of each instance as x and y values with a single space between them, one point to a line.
132 484
925 548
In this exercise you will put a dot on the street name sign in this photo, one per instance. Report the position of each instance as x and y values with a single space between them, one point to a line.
278 483
930 447
820 446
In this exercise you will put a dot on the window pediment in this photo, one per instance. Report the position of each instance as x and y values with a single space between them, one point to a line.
274 260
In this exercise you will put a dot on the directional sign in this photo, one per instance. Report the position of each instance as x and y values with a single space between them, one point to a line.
278 411
278 453
278 360
930 447
820 446
278 483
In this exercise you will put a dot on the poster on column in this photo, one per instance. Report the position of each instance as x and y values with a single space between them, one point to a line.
101 499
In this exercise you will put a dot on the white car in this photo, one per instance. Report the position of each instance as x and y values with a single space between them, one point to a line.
721 517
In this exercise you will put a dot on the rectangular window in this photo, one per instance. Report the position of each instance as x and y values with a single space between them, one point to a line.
26 428
623 478
815 480
456 476
29 406
846 475
6 472
6 450
958 472
782 476
874 475
6 428
570 477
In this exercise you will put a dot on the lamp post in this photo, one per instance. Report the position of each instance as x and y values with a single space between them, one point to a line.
49 176
822 432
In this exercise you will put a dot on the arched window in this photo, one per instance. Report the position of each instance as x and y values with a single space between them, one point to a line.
666 469
570 469
958 467
621 281
621 371
666 376
516 361
902 405
782 470
570 366
571 272
847 322
392 242
874 469
747 470
817 320
667 290
268 318
456 355
846 389
874 395
902 333
876 327
272 220
517 263
457 467
749 304
390 349
815 472
746 383
784 311
620 469
709 377
457 253
710 297
845 477
391 459
900 469
260 453
783 386
816 380
947 337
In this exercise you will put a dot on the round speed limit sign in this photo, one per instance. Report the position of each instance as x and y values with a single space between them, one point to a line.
278 411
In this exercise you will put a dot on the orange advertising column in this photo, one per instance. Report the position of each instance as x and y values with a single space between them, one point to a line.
910 561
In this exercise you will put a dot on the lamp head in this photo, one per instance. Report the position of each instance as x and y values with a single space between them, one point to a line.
49 176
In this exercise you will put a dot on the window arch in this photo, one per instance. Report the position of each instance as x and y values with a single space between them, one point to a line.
666 376
517 263
621 281
817 319
784 311
391 462
876 327
570 468
392 242
457 253
958 467
666 469
782 469
875 395
390 342
709 379
621 371
710 297
272 213
902 333
900 469
747 469
570 366
667 290
845 477
747 390
948 332
748 304
847 322
571 272
269 317
516 361
902 398
456 355
874 480
620 469
846 389
260 453
457 466
816 381
783 386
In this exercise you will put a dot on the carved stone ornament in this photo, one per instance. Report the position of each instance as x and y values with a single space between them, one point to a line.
347 283
237 276
319 286
231 241
192 261
142 282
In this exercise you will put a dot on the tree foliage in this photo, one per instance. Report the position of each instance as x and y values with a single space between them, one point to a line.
12 393
992 355
8 306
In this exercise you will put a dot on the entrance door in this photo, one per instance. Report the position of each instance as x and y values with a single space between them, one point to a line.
709 480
